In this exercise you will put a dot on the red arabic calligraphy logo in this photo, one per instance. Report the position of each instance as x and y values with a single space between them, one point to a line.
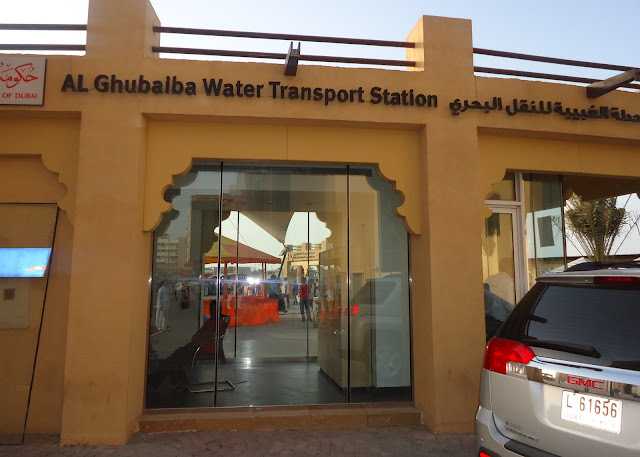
13 76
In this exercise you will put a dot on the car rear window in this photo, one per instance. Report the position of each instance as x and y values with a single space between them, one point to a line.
604 318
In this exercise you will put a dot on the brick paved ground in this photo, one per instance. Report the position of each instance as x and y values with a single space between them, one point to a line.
411 441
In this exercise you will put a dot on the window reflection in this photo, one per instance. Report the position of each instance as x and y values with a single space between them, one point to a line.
379 318
264 251
498 270
504 189
515 255
27 233
545 238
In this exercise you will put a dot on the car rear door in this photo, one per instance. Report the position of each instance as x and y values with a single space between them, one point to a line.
580 394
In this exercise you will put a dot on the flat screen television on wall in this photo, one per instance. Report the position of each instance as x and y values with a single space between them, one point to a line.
24 262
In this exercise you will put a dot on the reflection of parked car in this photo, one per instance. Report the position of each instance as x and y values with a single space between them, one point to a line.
561 376
380 329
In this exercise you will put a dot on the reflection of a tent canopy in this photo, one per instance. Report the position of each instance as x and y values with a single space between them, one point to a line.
236 252
274 223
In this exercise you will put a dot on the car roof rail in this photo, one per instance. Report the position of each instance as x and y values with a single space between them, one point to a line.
591 266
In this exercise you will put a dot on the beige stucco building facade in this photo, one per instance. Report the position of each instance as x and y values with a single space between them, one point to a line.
106 158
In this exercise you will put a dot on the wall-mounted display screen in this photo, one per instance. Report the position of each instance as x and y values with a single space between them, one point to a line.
23 262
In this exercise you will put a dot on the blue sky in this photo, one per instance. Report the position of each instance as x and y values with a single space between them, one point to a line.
584 30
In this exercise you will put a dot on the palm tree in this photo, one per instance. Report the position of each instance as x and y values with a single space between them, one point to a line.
596 224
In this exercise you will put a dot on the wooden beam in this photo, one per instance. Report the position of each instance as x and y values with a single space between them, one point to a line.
599 88
291 62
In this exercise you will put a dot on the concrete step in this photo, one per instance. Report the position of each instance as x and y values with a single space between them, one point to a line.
281 417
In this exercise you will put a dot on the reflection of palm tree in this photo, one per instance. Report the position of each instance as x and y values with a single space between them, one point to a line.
596 224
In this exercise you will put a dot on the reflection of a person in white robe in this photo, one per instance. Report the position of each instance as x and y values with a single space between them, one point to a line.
162 306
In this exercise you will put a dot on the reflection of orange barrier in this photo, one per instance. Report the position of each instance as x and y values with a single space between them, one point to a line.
252 310
329 309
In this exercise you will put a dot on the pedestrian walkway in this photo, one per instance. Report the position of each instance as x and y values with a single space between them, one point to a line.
413 441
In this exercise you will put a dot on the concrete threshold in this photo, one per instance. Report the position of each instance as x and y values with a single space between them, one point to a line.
334 416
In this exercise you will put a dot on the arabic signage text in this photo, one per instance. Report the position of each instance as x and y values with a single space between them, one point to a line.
22 80
544 107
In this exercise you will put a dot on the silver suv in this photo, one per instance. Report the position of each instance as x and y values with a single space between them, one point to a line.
562 375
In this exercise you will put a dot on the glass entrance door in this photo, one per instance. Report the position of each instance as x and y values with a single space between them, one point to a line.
285 231
279 285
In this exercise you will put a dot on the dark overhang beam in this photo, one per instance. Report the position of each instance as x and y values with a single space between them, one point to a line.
599 88
291 61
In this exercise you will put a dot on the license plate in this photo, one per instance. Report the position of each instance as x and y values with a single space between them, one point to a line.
592 411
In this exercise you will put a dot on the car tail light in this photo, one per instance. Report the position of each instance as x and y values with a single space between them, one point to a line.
354 310
507 357
616 280
486 453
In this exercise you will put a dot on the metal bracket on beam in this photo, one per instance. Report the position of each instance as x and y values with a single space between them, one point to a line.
291 62
599 88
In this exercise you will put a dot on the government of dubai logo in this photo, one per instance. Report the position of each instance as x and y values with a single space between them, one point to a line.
22 80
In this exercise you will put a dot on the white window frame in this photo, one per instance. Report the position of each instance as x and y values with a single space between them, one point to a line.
516 209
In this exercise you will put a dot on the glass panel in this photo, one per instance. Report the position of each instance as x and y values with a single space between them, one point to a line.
24 272
543 207
183 284
291 220
505 189
269 251
379 305
498 270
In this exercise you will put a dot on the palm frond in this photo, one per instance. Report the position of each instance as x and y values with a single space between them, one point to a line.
596 224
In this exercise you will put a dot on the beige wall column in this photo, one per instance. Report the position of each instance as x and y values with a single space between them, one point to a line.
447 273
108 304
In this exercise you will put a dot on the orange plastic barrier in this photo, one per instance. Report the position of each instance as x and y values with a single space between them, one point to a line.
251 310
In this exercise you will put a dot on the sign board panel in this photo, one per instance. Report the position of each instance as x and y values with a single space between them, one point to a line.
22 80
